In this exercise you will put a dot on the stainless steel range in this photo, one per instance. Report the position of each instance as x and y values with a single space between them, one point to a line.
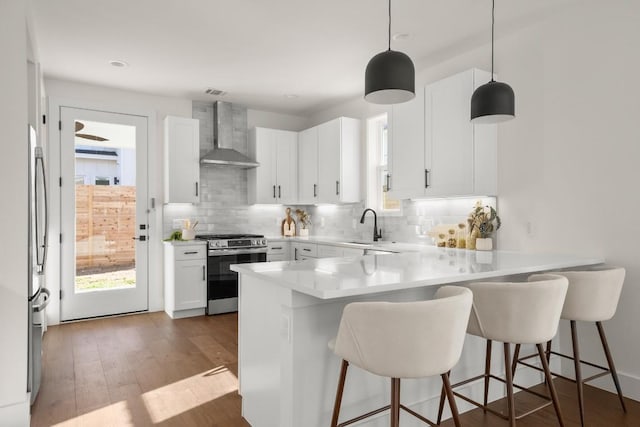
225 250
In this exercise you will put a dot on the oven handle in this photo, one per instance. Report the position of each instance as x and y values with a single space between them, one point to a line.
223 252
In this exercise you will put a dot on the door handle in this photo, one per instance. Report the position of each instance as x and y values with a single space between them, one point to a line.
279 192
426 178
196 188
315 190
295 254
337 188
204 273
141 238
274 191
388 182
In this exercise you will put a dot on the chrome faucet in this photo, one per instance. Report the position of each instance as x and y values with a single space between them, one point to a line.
377 234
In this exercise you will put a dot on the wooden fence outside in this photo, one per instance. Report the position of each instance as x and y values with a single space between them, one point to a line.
105 225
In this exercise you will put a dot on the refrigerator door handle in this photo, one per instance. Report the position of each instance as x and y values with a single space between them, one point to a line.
45 237
40 307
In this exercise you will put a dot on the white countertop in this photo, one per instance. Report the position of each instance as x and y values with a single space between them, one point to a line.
353 243
185 242
330 278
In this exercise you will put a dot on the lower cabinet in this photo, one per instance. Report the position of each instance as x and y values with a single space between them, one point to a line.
278 251
185 279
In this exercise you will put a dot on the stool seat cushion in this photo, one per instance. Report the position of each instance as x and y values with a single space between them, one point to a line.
514 312
593 295
406 340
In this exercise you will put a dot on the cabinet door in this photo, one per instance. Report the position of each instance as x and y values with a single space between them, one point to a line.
287 167
263 178
190 284
329 161
449 136
308 165
406 149
182 160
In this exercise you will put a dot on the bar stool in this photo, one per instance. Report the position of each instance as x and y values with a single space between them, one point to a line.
515 313
592 296
403 340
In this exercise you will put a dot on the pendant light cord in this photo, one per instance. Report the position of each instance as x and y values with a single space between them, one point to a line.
389 24
493 24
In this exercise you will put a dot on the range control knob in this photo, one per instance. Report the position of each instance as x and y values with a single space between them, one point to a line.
263 242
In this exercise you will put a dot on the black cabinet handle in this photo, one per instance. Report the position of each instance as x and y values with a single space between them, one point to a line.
315 190
337 188
388 182
295 254
306 249
426 178
276 248
191 252
279 192
204 273
274 191
196 188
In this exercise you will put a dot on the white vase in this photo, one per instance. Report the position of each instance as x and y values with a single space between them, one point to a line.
484 244
304 232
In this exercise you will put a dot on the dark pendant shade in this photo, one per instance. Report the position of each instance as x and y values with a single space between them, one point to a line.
390 78
493 102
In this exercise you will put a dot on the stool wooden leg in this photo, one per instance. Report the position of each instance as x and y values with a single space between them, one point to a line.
612 367
336 406
441 405
487 372
548 353
514 365
395 402
509 375
552 388
452 400
578 370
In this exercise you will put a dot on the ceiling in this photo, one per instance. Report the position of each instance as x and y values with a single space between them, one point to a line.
258 51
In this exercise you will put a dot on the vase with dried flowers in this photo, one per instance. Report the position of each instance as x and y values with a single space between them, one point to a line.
304 219
483 221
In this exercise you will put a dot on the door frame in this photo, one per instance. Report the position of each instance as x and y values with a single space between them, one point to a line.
154 211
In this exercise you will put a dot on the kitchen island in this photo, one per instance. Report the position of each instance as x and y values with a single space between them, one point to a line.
288 311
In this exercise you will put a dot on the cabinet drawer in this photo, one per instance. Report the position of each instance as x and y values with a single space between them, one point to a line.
277 248
326 251
190 252
277 257
306 249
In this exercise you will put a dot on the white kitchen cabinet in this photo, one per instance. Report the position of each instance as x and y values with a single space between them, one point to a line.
185 279
181 160
334 251
276 179
308 166
278 251
458 158
329 162
303 250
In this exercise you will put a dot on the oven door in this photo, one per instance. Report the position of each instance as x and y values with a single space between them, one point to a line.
222 283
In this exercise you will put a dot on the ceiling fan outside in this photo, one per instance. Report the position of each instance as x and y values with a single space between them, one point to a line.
80 126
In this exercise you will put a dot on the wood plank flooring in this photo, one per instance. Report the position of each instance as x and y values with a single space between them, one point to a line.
148 369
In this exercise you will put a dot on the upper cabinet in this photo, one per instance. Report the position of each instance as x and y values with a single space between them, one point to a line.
276 179
329 161
181 160
435 150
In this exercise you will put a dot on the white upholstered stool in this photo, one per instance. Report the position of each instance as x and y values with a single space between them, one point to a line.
515 313
403 340
592 297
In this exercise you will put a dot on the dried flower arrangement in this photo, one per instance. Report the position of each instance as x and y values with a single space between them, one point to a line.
483 221
304 219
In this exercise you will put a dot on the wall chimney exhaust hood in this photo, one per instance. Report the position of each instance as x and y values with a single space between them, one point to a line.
223 152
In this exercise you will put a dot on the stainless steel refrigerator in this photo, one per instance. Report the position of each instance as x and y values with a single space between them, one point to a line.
38 295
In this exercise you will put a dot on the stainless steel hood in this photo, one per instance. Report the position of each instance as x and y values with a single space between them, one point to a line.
224 152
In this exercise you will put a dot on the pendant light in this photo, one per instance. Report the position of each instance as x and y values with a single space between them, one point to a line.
493 102
390 77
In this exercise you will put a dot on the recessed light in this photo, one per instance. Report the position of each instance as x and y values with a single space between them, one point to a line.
401 36
291 96
119 63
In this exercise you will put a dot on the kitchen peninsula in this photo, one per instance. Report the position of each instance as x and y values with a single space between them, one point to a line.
288 312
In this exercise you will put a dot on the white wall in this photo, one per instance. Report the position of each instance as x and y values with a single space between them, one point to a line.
119 100
567 162
268 119
14 405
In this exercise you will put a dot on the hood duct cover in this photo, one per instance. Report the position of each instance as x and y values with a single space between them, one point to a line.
223 152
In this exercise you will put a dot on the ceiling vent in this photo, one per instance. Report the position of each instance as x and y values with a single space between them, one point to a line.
215 92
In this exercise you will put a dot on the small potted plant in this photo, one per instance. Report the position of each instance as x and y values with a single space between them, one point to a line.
483 221
304 220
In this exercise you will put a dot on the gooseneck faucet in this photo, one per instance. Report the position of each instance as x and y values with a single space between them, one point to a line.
377 234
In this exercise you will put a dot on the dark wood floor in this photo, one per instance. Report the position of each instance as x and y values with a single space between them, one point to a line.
150 370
